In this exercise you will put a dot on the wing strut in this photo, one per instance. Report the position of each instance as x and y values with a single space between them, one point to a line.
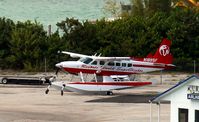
81 77
100 67
95 77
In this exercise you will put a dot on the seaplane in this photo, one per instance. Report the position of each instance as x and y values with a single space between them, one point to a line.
111 73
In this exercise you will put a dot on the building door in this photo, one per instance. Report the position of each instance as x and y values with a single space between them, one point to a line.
196 115
183 115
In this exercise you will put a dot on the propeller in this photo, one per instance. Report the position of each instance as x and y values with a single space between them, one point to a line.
56 73
51 79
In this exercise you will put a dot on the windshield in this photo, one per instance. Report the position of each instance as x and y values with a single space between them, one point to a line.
86 60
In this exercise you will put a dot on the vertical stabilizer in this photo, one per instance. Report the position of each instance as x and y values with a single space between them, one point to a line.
163 54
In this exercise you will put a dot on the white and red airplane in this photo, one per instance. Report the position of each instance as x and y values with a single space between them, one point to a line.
104 67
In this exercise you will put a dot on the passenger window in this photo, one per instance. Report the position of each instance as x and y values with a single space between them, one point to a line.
102 62
94 63
117 64
124 64
111 63
129 65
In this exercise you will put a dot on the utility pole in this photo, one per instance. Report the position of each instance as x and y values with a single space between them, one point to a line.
49 30
45 60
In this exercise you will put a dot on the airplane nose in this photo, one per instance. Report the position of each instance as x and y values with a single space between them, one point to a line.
59 65
71 64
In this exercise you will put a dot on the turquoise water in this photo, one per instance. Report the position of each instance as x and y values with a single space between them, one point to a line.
52 11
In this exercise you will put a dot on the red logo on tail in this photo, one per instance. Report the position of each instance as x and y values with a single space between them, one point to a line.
164 50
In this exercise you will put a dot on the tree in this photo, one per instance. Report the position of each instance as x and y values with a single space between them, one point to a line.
71 28
6 26
27 46
78 37
54 44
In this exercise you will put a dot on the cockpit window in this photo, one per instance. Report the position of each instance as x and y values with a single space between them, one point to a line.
82 59
86 60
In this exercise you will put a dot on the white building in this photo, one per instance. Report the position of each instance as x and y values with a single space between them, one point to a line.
184 100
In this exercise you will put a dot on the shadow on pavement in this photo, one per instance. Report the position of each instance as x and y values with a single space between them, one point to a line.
125 99
130 98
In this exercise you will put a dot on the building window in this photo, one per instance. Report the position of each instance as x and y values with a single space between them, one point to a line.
196 115
183 115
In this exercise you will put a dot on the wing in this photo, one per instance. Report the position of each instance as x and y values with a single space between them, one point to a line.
76 55
111 58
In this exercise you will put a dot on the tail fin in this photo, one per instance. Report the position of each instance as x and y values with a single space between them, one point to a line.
163 55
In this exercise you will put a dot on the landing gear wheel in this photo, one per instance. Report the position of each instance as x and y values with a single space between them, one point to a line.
47 91
109 93
4 80
62 92
62 89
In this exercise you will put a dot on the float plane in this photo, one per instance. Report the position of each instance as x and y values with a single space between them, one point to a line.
104 69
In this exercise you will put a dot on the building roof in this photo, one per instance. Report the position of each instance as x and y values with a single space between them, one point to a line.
178 85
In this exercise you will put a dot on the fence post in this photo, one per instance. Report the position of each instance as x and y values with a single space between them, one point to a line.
194 66
161 77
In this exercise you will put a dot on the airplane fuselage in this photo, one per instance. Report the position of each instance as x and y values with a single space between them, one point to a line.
123 67
105 66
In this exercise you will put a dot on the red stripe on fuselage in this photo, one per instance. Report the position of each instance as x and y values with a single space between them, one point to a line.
93 71
148 66
153 66
112 72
